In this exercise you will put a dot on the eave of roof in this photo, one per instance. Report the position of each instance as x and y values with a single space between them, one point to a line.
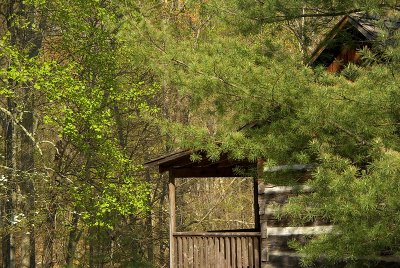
180 165
167 158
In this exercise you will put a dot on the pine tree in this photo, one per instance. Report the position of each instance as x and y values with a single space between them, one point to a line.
249 70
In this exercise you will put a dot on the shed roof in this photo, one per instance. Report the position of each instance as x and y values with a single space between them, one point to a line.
180 165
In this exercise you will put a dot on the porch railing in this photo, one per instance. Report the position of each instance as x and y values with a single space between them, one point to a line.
216 250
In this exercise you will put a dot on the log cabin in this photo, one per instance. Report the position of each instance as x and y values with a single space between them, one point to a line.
266 244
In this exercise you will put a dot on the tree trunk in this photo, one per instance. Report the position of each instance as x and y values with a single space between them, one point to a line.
161 219
48 248
149 224
27 165
8 247
73 239
91 235
10 152
25 38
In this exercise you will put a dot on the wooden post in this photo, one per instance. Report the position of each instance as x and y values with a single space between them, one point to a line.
256 180
257 218
172 219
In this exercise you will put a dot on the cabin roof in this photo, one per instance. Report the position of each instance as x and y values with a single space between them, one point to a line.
366 25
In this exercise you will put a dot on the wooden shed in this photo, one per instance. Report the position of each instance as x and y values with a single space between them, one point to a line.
265 245
239 248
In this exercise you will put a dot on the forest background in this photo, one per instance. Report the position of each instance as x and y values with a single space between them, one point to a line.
91 89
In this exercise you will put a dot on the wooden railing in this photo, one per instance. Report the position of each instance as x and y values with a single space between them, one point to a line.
216 250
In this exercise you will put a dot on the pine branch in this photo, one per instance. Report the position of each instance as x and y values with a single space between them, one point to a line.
305 15
348 132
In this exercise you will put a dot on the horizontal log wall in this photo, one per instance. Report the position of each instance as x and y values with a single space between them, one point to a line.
276 233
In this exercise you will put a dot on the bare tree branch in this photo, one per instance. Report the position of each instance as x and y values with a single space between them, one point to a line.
27 133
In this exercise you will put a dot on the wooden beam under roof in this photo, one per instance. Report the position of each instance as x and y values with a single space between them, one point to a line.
196 172
182 166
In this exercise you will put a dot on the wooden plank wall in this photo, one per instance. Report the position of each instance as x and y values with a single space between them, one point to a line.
217 250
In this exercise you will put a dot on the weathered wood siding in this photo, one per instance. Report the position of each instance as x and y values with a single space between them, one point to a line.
345 56
275 234
217 250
